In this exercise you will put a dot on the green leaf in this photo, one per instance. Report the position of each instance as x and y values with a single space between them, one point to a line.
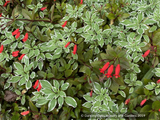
86 70
157 91
88 55
14 79
68 73
28 84
149 87
111 16
64 86
71 101
22 81
62 94
26 14
32 106
18 66
156 105
122 93
153 28
23 100
51 105
42 101
149 21
87 104
32 75
45 84
60 102
56 84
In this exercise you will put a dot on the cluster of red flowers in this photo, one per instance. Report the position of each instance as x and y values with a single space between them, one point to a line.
141 104
110 70
39 86
74 49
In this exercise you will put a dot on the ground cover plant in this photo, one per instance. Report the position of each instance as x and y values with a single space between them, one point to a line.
79 59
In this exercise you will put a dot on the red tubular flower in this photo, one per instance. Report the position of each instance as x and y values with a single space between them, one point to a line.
20 58
81 2
117 71
43 8
104 67
18 34
25 113
65 23
143 101
25 37
127 101
159 110
5 4
74 49
15 32
54 0
158 81
39 87
146 53
67 45
110 70
91 93
36 84
1 48
1 15
15 53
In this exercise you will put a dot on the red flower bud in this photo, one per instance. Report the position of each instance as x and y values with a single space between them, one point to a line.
25 37
67 44
65 23
43 8
146 53
158 81
1 48
39 87
5 4
91 93
36 84
81 2
74 49
127 101
117 71
15 53
25 113
110 70
104 67
15 32
143 101
20 58
18 34
159 110
1 15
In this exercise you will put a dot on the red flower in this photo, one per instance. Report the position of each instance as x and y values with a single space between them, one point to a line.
15 53
81 2
65 23
36 84
25 37
25 113
110 70
74 49
159 110
1 48
143 101
5 4
104 67
67 44
1 15
91 93
18 34
158 81
127 101
146 53
117 71
39 87
54 0
20 58
15 32
43 8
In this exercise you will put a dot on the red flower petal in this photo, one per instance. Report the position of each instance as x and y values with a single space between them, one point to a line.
25 37
110 70
117 71
158 81
67 45
81 2
146 53
20 58
43 8
15 32
39 87
15 53
143 101
5 4
1 48
65 23
18 34
104 67
74 49
25 113
127 101
36 84
1 15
